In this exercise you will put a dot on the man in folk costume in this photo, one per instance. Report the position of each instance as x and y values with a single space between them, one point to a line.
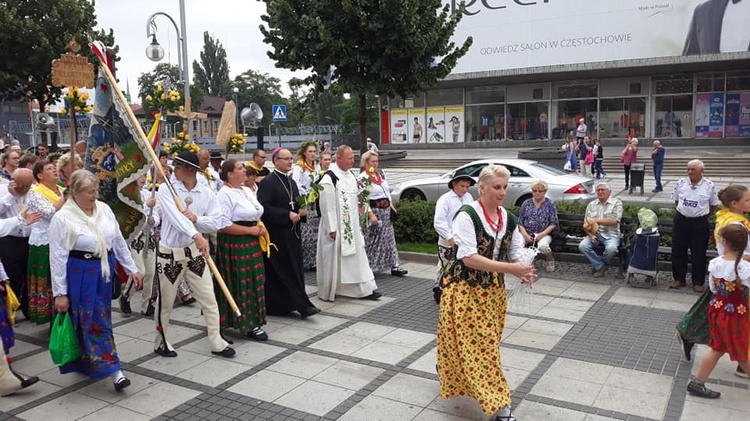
285 282
341 246
14 247
181 253
207 173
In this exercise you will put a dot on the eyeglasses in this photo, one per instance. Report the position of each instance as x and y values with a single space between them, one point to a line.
285 159
262 156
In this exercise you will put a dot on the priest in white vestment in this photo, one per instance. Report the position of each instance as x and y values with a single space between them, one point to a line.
342 266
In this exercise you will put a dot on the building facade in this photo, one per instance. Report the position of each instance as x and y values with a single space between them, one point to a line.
667 70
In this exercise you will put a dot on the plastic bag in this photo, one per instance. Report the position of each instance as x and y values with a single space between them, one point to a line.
647 218
11 303
520 294
63 341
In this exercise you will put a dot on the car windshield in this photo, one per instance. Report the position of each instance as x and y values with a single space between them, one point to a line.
547 168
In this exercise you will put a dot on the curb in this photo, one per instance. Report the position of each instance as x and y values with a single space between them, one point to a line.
412 256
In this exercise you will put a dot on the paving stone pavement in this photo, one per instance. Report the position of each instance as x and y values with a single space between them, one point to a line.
576 350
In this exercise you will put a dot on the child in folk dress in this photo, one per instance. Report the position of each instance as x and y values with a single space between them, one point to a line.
729 323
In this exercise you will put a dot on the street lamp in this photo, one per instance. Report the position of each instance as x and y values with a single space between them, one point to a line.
155 52
235 90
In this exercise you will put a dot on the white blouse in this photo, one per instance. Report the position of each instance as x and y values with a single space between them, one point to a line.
303 178
59 252
238 205
466 237
39 235
378 192
724 269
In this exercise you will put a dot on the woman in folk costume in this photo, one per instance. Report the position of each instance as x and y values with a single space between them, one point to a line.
474 299
45 198
304 173
64 170
84 252
380 239
693 328
238 253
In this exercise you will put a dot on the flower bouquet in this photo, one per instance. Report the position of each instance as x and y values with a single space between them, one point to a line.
236 143
520 294
311 197
163 101
363 198
180 143
77 101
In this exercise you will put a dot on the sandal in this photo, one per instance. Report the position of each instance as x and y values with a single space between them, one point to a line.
550 267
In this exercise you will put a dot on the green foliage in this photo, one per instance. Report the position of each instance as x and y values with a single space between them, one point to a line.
418 247
414 223
36 32
378 47
161 73
211 75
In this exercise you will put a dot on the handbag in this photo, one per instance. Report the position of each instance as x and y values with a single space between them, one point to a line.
622 159
589 158
394 216
63 341
568 166
11 303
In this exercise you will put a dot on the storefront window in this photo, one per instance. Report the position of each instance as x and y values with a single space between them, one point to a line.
568 113
485 122
619 117
673 85
445 97
673 116
711 82
575 89
738 82
528 121
485 95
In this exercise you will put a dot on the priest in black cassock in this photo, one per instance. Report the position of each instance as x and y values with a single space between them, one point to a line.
285 283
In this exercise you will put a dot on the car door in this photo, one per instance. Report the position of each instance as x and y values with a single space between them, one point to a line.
518 185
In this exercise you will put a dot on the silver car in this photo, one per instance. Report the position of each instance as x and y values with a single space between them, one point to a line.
562 186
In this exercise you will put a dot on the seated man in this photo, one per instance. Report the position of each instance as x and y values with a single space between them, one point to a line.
606 212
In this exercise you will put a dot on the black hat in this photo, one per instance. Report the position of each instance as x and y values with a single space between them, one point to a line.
188 159
459 178
215 155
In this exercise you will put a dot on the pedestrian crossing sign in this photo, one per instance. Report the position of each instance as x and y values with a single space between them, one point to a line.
279 112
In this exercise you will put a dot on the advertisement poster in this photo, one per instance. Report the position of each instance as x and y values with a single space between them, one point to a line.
744 130
399 125
716 118
436 125
415 124
733 115
538 32
454 124
702 114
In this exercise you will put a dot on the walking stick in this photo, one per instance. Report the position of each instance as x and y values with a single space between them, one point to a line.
141 137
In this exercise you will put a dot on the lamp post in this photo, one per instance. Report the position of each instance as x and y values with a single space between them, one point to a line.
235 90
155 52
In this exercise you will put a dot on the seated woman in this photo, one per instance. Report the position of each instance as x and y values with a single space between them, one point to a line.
537 220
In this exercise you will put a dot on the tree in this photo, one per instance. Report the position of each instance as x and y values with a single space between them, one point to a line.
37 32
262 89
378 47
212 74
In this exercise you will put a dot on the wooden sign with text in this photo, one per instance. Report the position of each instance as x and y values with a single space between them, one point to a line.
72 70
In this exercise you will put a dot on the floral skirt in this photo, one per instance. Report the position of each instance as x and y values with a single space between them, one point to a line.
729 332
91 312
40 285
310 239
240 261
470 327
380 242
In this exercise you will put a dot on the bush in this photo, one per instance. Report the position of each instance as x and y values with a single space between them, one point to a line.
415 219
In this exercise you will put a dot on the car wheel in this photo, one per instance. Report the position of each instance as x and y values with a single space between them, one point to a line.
522 199
413 194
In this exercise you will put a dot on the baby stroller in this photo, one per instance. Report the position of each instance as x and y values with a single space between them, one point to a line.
643 253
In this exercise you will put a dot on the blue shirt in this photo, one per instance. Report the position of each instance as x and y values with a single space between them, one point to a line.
658 157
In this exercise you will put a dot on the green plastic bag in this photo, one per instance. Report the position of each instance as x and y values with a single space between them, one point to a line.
63 341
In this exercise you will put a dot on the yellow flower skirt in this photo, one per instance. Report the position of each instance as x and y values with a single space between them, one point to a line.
469 332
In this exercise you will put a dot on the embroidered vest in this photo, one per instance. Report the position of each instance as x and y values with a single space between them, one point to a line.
456 271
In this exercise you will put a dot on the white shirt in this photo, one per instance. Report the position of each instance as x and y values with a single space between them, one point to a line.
724 269
581 130
445 209
145 195
176 230
378 192
303 178
695 201
238 205
11 207
59 252
735 32
10 225
612 208
466 237
39 235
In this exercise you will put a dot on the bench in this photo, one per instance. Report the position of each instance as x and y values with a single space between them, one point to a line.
666 227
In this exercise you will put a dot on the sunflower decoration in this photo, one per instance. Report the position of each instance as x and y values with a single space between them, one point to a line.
180 143
77 101
237 143
162 100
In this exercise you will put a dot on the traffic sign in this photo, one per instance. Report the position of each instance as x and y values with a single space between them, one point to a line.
279 112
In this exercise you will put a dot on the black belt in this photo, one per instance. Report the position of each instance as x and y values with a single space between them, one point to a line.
246 223
380 203
84 255
691 217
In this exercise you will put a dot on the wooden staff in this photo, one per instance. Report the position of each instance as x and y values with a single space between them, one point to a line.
154 158
73 140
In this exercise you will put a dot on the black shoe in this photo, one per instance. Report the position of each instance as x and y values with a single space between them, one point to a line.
687 347
164 352
374 296
741 373
257 334
125 305
29 381
227 352
399 272
122 384
437 292
699 389
149 311
311 311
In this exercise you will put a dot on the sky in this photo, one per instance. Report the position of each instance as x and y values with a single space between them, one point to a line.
233 22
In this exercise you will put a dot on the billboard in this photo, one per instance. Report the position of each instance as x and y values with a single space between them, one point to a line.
511 34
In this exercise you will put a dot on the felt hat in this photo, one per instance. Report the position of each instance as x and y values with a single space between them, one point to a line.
459 178
215 155
188 159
